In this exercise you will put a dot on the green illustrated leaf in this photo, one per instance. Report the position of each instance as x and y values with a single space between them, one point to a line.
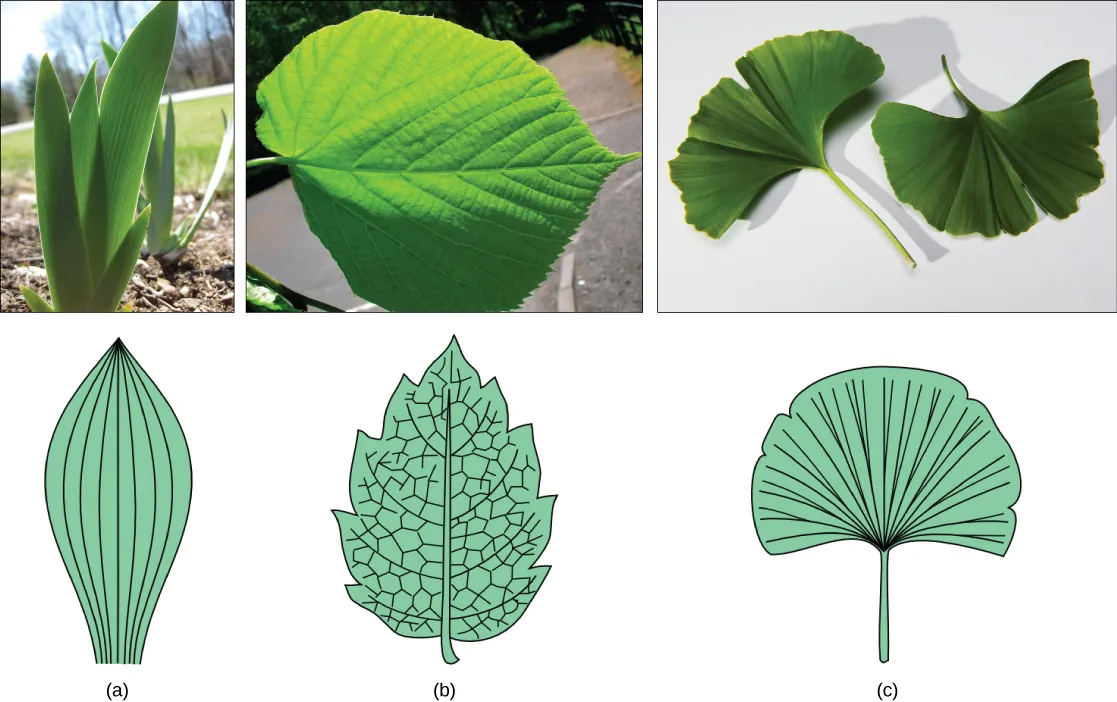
118 484
887 456
442 170
448 521
975 173
740 141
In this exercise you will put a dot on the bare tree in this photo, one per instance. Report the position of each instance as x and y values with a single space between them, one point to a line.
227 8
27 81
67 35
10 109
119 23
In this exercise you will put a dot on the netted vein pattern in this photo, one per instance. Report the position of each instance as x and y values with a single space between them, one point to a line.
448 521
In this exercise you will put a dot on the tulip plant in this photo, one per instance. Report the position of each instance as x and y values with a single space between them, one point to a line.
88 167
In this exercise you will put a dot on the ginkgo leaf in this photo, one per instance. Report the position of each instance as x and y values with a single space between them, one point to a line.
448 522
742 140
442 170
975 173
887 456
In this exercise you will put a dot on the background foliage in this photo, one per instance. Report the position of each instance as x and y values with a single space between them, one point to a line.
539 27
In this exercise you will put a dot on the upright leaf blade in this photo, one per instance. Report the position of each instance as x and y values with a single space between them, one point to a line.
449 523
109 52
112 284
129 102
160 186
442 170
89 174
64 249
214 180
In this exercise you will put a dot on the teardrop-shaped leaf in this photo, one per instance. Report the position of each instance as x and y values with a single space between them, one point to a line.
449 522
975 173
741 140
118 485
886 456
442 170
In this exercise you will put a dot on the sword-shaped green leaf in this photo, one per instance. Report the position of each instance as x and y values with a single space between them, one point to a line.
114 281
64 250
129 102
89 174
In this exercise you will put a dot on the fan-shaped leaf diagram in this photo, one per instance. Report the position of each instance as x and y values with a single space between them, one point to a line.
886 456
118 485
448 523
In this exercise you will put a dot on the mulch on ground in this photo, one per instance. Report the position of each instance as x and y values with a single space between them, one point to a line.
201 281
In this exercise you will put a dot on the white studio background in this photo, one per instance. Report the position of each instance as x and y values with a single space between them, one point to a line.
808 248
647 428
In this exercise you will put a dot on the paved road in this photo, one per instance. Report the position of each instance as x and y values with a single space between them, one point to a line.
608 273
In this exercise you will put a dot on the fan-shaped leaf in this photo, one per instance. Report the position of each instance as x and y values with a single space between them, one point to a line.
886 456
442 170
449 522
741 140
975 173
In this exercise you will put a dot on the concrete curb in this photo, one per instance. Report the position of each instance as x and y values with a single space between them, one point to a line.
566 284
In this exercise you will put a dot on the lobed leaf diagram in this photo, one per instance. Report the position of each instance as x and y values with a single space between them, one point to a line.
447 523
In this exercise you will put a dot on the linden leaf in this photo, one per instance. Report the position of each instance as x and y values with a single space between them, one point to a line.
741 140
975 173
442 170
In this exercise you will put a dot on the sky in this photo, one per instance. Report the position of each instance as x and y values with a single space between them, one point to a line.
22 34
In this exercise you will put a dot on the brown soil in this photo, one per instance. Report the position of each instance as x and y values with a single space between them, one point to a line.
202 281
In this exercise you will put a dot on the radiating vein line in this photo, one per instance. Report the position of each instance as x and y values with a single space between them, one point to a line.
837 470
918 509
808 498
840 503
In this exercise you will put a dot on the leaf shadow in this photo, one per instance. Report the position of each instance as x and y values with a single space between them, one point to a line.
910 50
1105 92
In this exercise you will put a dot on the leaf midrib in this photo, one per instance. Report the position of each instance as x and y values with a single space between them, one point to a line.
353 169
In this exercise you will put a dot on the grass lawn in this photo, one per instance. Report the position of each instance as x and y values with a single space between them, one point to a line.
198 132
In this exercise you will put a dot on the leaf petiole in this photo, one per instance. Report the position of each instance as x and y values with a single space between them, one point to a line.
880 223
270 160
298 299
883 635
